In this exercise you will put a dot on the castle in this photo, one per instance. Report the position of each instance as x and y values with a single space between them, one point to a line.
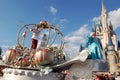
105 30
105 33
110 44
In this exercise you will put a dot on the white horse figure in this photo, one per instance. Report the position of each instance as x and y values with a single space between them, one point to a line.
84 54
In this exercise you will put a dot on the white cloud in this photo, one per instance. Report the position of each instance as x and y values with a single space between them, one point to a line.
74 39
7 41
114 17
97 19
78 36
71 50
53 10
5 46
60 22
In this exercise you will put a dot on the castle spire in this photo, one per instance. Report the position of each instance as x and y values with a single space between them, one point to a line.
103 7
104 17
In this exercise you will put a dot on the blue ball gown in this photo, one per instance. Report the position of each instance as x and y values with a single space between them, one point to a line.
94 46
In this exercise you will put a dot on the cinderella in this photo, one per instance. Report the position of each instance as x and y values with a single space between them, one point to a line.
94 46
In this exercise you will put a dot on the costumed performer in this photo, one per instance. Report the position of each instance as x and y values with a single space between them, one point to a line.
94 46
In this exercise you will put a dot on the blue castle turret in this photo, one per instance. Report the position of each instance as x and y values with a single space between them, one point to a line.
110 46
110 26
81 48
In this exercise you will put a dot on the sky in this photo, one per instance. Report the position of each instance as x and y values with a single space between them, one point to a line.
73 18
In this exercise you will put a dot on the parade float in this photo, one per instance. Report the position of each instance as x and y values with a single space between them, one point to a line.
49 61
